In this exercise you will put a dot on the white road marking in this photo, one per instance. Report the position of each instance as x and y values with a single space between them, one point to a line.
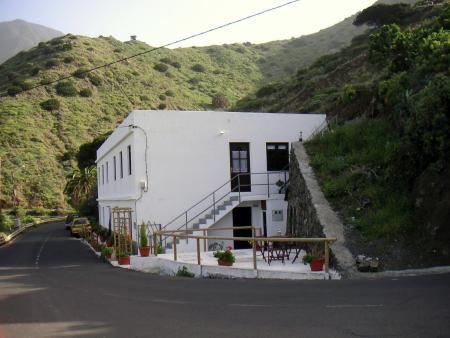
340 306
36 262
250 305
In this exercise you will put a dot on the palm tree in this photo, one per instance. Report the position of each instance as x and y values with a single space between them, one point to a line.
81 184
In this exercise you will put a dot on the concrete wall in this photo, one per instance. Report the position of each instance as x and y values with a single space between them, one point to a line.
309 213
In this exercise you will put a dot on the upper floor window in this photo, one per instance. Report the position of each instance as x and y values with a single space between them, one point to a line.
121 164
277 156
115 168
103 174
107 172
98 176
129 159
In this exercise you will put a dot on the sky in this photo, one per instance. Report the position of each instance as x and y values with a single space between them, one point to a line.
158 22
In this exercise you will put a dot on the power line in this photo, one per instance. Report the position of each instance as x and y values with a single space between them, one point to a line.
160 47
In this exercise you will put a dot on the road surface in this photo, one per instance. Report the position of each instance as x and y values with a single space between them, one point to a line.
52 285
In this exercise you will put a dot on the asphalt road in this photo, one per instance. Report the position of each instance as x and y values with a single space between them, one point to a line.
52 285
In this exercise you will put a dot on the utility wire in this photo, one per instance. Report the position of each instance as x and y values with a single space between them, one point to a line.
160 47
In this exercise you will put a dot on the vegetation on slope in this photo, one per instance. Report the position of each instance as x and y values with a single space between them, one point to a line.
384 166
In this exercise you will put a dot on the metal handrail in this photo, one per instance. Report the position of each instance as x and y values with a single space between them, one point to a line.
187 220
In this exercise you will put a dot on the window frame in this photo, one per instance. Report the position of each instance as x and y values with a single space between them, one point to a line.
284 164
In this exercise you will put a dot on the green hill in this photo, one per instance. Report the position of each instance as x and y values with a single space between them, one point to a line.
384 162
41 130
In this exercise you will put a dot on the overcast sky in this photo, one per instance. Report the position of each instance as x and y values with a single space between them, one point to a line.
161 21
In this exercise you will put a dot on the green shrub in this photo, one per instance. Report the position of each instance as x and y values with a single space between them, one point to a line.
162 106
52 63
198 68
35 71
95 79
68 59
184 272
14 90
161 67
85 92
50 104
176 64
25 85
28 219
143 235
266 90
165 60
170 93
6 222
162 97
220 101
19 212
45 81
117 50
66 88
80 73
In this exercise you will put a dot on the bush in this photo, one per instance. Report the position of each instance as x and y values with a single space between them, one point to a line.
28 219
25 85
6 223
198 68
85 92
162 106
69 59
95 79
220 101
35 71
266 90
161 67
66 88
165 60
176 64
80 73
14 90
19 212
162 97
50 104
52 63
184 272
170 93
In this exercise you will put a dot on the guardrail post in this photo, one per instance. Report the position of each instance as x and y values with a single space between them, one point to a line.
254 253
327 256
174 247
198 251
155 244
204 240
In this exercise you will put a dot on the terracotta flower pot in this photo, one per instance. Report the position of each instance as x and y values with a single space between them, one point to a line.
124 260
144 251
224 263
317 264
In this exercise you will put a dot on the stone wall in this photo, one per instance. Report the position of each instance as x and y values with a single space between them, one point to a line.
309 213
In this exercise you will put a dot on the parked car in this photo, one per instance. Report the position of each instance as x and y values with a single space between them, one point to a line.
78 225
69 220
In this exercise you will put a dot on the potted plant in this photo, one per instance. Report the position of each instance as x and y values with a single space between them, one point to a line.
225 258
123 257
315 261
144 248
107 252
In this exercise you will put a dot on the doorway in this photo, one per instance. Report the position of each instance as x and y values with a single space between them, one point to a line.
242 217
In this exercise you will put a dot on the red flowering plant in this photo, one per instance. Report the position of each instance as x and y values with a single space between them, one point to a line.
226 255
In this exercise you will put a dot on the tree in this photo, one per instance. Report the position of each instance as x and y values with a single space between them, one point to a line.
81 184
87 152
383 14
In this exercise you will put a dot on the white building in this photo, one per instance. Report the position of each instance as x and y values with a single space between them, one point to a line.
201 169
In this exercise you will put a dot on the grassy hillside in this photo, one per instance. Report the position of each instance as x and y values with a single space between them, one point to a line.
384 162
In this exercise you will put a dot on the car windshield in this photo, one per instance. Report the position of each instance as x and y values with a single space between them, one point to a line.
81 221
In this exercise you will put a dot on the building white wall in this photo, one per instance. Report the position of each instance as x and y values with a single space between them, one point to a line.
188 155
